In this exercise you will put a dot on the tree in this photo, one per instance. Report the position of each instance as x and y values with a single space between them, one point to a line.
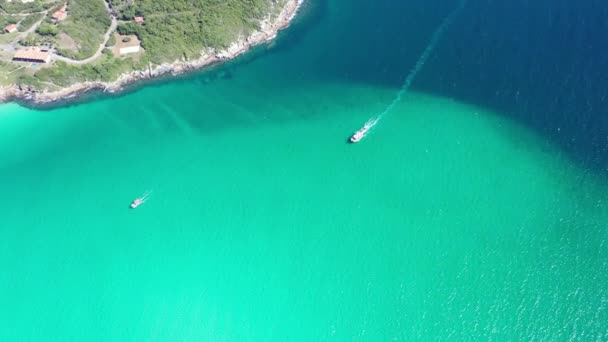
127 28
30 40
47 30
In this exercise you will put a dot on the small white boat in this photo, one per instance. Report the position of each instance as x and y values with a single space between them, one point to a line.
136 203
360 134
139 200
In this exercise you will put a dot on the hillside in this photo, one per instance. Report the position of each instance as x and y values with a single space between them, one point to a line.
182 28
95 41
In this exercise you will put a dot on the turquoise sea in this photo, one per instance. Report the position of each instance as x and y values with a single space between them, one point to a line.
476 209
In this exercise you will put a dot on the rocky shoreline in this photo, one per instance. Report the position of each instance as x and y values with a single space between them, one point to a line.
268 31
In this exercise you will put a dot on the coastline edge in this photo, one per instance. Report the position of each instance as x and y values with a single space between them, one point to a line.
267 32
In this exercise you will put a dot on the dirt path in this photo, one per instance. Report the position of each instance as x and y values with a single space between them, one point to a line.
99 51
30 30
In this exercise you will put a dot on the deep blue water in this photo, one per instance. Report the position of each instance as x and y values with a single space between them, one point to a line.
543 63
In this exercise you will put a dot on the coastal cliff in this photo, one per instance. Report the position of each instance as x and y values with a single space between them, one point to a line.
268 29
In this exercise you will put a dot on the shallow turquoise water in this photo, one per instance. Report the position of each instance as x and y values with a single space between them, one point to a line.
448 222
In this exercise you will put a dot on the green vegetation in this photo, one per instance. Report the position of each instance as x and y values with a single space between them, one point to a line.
35 39
47 30
127 28
87 22
52 9
25 79
11 73
106 68
8 75
183 28
30 40
28 21
7 20
173 29
111 41
16 7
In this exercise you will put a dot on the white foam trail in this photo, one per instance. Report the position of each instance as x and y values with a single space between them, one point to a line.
423 58
371 122
146 195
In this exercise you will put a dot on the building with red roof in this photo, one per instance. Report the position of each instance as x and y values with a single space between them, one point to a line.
10 28
60 14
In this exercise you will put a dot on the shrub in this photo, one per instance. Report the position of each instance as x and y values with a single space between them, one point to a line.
28 21
47 30
127 28
111 41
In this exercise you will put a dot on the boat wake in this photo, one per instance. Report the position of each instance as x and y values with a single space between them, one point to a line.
447 21
140 200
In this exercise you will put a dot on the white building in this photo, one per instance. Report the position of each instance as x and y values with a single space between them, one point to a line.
129 49
130 46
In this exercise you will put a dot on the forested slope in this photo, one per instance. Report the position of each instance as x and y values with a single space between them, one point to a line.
182 28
